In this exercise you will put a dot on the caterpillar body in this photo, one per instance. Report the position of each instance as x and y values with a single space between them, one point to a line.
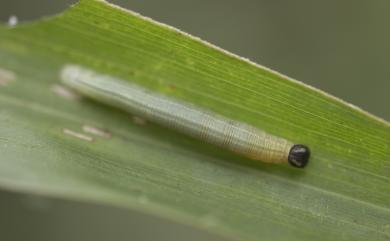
204 125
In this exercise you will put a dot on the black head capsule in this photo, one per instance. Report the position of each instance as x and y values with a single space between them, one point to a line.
299 155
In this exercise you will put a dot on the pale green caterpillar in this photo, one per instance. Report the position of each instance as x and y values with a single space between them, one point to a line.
186 118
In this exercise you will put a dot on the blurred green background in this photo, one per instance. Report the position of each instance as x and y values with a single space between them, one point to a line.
341 47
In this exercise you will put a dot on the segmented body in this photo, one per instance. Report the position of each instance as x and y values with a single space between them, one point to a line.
183 117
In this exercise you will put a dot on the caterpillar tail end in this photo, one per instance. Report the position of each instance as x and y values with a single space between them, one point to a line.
298 156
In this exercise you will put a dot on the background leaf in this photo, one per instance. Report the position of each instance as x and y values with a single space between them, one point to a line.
343 193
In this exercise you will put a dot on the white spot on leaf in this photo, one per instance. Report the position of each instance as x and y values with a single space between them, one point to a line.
77 135
13 21
65 92
6 76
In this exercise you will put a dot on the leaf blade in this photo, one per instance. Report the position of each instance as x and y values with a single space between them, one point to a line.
203 185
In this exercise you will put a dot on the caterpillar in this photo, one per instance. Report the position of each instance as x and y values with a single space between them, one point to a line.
187 118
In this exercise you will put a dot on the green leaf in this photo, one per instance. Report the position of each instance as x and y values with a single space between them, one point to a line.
343 194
